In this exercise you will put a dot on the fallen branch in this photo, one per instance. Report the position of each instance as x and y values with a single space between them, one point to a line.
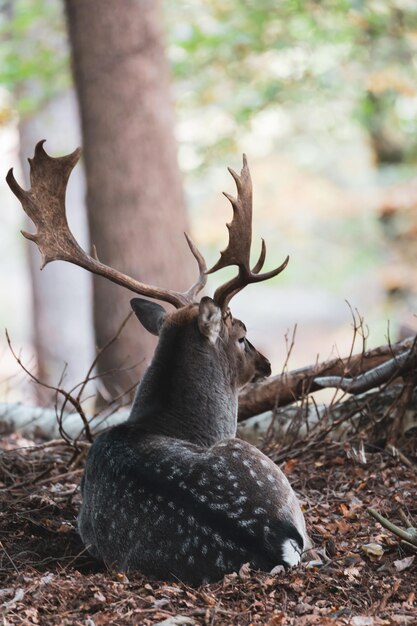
286 388
396 530
397 366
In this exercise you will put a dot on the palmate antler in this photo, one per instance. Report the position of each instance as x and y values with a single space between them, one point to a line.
44 203
240 239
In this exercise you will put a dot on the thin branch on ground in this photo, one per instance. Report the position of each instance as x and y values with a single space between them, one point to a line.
396 530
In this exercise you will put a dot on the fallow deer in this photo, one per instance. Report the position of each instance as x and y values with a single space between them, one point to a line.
172 492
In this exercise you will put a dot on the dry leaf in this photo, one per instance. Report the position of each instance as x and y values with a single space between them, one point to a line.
402 564
65 527
277 619
352 573
244 572
99 596
289 466
345 510
362 620
177 620
18 595
208 599
374 549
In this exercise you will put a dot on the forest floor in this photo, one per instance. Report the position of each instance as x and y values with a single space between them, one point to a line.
367 576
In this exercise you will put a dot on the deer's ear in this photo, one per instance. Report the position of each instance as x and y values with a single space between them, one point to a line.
209 319
150 314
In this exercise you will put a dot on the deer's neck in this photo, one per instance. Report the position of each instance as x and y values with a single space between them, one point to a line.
187 392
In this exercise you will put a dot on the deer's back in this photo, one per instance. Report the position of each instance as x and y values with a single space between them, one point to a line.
169 508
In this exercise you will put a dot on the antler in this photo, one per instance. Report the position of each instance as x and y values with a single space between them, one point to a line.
240 238
44 203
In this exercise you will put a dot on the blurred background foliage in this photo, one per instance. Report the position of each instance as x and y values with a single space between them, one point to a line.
318 62
323 97
34 61
321 62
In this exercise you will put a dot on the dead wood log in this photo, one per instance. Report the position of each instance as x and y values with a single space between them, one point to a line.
371 415
288 387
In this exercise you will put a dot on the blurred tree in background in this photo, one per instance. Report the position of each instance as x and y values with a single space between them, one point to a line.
36 73
134 189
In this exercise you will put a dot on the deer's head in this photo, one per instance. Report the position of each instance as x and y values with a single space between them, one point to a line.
202 333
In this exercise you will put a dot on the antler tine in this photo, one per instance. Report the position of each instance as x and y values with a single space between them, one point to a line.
255 270
200 283
239 246
44 203
260 263
226 292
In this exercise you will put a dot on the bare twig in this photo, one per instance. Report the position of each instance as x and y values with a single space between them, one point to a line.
99 353
68 397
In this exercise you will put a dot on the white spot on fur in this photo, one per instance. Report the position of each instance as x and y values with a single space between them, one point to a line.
259 510
219 560
218 506
245 523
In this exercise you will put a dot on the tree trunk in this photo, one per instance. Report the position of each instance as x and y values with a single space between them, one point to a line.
134 193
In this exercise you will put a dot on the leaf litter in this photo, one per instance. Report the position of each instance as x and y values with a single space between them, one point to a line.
360 575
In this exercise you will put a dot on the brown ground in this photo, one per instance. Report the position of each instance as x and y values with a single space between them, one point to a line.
46 578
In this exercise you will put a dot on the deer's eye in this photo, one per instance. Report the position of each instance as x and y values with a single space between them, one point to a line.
241 341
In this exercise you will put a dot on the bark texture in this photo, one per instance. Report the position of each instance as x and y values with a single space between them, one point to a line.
134 192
